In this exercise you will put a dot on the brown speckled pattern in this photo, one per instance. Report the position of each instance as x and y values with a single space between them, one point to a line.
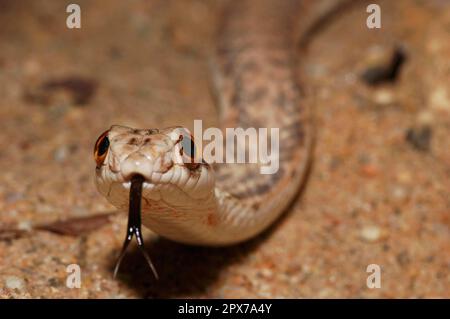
258 87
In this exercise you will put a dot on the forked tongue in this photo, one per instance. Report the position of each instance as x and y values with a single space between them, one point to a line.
134 224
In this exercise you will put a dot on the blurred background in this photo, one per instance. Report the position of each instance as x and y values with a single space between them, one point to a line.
378 192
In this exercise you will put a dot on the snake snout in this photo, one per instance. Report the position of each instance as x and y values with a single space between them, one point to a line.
136 164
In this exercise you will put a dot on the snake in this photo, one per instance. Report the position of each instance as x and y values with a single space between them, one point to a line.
157 173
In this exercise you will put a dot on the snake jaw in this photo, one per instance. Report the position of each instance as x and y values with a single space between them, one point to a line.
134 224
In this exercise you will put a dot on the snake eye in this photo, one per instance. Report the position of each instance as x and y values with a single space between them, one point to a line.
187 146
188 151
101 148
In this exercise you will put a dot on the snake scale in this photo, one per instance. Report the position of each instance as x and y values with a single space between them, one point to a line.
219 204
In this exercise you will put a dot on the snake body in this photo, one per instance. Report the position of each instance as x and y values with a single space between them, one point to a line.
221 204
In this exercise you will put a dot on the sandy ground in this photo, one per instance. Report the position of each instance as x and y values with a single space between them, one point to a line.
378 192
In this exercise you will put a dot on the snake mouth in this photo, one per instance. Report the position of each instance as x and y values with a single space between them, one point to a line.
147 185
134 223
149 181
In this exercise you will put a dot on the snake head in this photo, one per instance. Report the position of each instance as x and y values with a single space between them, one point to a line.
167 158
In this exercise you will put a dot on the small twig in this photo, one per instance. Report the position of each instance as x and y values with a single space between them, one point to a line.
75 226
11 233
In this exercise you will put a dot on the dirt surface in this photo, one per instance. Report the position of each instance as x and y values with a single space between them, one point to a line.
378 192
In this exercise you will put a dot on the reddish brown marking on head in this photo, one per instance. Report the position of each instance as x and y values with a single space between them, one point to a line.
211 219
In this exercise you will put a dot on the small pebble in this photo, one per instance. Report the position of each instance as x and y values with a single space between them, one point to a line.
64 151
54 290
61 153
404 177
24 225
384 96
370 233
399 193
266 273
440 99
369 170
13 282
425 118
